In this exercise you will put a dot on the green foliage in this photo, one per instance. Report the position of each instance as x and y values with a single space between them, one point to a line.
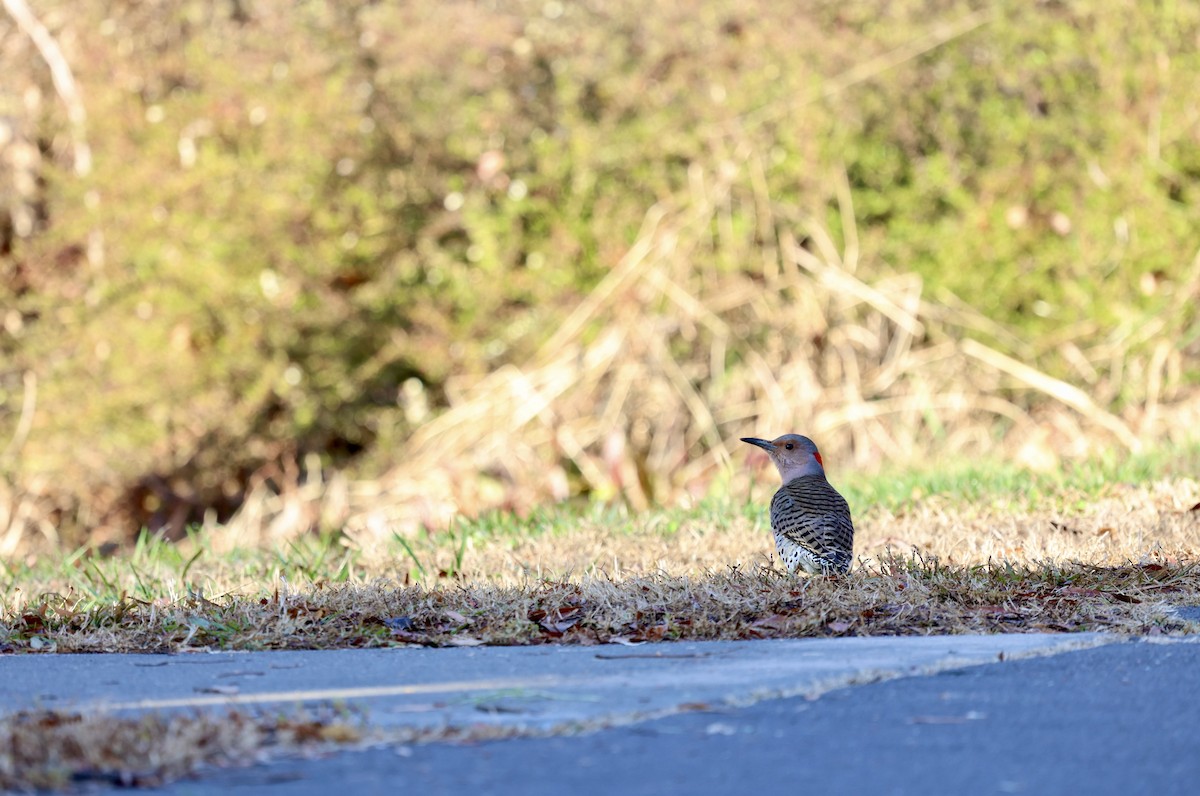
1038 168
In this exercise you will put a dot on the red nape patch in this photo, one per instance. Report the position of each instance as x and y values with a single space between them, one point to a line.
817 456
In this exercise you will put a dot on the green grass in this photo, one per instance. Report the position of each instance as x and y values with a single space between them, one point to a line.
1005 485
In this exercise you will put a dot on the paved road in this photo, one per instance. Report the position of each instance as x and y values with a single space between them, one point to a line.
532 687
1117 719
1059 714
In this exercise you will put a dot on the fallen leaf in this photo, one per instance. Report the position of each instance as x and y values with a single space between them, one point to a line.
557 621
304 731
457 617
771 622
1125 598
625 640
839 626
652 633
1080 591
340 733
464 641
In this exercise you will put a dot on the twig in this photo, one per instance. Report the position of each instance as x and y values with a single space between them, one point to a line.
1070 395
843 282
25 422
630 264
941 34
60 74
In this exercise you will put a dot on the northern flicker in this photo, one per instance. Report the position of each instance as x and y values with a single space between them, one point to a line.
811 521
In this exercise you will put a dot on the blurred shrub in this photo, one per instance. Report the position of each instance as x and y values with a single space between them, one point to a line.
306 221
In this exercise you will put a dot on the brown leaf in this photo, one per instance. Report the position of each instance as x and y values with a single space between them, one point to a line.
1125 598
1195 507
1080 591
652 633
305 731
770 622
585 637
33 623
559 620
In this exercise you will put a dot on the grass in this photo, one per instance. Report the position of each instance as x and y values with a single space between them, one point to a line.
970 549
1004 484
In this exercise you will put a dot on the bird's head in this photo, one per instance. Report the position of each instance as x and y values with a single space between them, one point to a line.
792 454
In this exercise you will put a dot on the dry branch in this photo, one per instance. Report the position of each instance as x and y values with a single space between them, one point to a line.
60 75
1070 395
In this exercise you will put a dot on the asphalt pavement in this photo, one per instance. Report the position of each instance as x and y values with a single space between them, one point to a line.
1117 719
1086 713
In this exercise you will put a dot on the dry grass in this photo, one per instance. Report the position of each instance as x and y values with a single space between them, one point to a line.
645 387
54 750
1128 524
1114 562
897 597
47 750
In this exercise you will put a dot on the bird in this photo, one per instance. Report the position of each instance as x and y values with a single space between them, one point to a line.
810 519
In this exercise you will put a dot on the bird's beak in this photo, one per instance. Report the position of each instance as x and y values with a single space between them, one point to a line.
762 443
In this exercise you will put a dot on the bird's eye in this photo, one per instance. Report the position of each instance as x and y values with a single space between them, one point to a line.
789 446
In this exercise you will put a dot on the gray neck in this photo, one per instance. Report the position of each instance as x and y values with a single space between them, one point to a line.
791 472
